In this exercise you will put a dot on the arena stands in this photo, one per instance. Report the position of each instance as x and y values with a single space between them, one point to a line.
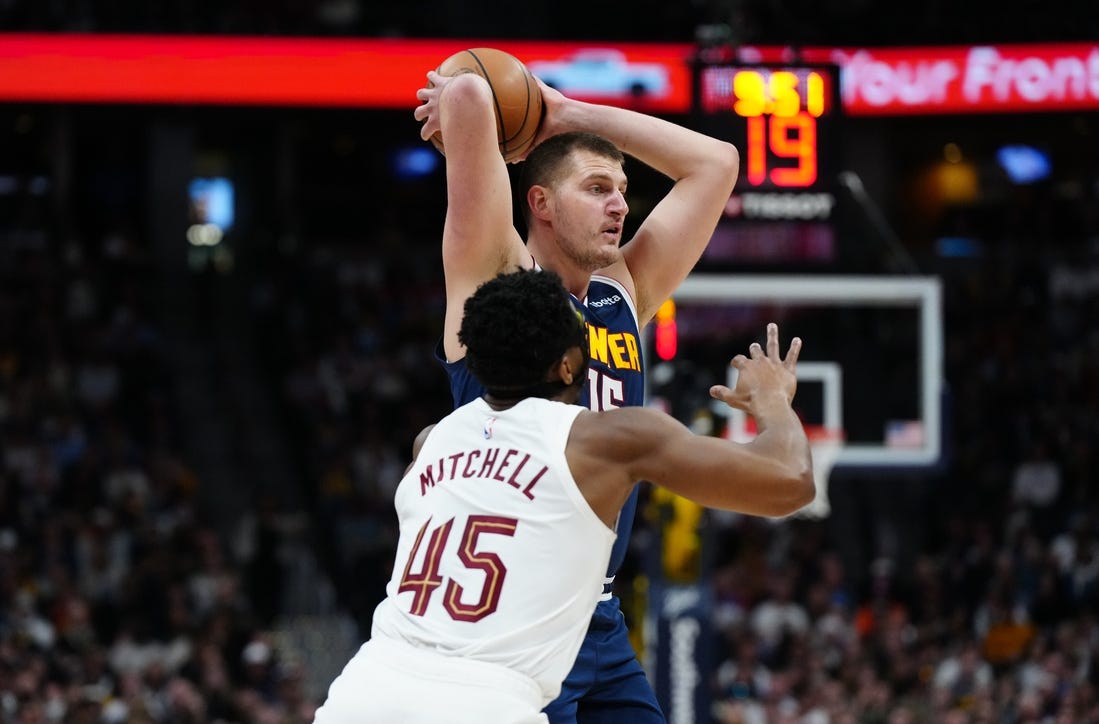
137 584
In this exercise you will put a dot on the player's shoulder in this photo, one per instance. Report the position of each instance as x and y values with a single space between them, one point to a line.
421 438
611 290
617 277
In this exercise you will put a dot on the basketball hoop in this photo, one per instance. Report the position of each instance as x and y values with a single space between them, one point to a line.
826 444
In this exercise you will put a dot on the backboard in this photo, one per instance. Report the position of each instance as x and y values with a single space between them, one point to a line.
871 366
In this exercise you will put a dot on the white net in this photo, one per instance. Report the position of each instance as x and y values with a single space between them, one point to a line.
826 445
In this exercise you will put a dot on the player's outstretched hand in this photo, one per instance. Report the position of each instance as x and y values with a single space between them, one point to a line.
765 377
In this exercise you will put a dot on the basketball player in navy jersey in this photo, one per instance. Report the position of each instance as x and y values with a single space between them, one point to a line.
575 208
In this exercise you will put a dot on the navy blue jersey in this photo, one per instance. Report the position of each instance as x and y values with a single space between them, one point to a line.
615 376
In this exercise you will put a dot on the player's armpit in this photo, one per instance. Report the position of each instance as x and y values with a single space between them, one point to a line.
418 444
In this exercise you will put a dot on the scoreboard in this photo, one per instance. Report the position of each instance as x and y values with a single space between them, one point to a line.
778 113
783 119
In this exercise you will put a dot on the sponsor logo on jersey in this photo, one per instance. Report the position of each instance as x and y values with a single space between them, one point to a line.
605 301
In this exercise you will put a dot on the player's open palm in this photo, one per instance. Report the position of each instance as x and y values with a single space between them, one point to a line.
764 376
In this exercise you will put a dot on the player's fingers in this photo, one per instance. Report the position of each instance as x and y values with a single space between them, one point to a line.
731 398
755 350
772 341
791 360
739 361
545 88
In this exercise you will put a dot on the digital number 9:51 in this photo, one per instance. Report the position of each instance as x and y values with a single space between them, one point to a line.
781 113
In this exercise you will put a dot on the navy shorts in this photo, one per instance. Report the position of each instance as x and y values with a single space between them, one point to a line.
607 684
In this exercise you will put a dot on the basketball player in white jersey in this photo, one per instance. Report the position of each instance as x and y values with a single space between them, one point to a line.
508 510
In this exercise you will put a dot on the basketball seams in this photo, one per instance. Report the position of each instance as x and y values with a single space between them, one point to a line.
532 88
495 102
516 97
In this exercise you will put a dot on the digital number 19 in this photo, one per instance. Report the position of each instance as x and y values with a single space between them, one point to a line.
785 137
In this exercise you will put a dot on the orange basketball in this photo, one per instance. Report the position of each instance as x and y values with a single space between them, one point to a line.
518 98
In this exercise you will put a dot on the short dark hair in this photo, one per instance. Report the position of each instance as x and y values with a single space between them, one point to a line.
516 326
547 163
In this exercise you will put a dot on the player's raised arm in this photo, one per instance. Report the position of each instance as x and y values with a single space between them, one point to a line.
671 239
479 236
772 475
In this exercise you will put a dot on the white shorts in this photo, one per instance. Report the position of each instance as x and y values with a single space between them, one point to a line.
391 682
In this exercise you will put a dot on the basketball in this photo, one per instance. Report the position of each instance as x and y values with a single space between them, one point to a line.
518 98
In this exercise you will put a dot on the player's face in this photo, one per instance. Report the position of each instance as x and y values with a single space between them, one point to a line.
590 210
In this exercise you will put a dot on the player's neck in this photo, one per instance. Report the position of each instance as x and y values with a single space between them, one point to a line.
575 279
554 390
499 404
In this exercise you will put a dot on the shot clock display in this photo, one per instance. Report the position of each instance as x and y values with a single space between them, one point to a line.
782 109
781 119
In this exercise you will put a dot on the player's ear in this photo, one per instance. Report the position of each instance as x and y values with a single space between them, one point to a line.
569 365
560 371
538 201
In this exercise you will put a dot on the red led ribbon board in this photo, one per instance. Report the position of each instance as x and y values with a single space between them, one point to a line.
384 73
375 73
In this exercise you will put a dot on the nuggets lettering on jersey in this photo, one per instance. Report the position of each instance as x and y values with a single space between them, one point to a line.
508 466
617 350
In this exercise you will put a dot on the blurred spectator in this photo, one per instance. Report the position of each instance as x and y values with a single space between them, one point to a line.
1036 487
778 618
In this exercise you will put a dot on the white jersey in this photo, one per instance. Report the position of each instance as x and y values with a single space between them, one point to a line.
500 557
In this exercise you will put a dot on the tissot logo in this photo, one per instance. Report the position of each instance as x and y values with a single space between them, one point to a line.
780 206
605 301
